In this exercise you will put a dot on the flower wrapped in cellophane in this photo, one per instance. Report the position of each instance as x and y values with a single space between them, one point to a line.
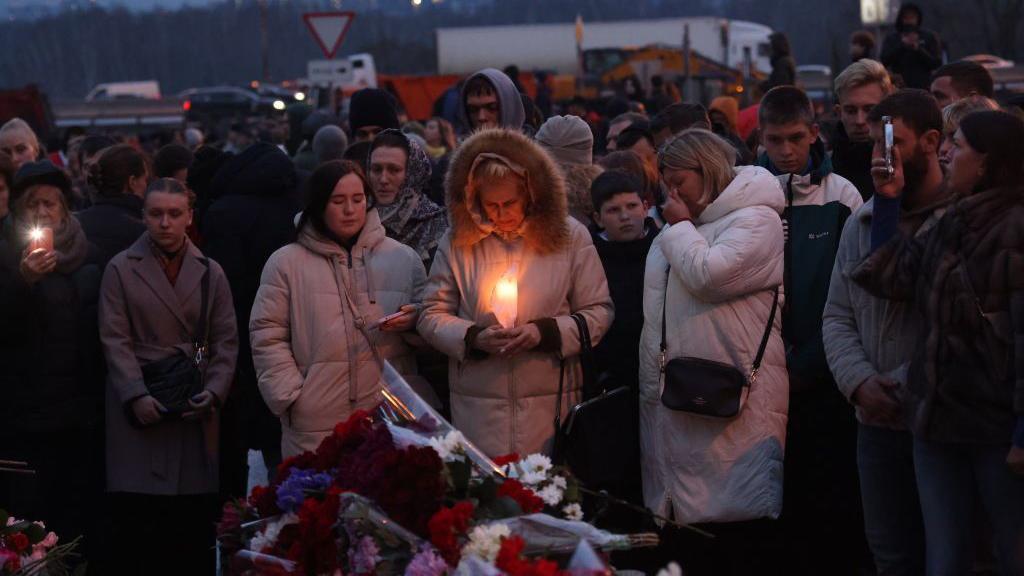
401 491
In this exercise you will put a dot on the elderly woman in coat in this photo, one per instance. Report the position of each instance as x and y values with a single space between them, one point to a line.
51 377
162 468
509 220
712 274
316 349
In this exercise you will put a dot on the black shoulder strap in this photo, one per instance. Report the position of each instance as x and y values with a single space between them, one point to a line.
200 337
764 339
586 360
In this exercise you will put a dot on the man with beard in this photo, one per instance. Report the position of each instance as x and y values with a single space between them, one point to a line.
868 340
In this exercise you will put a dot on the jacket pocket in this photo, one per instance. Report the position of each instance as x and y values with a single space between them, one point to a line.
323 400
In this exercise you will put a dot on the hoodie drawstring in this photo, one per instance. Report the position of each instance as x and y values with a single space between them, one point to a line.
371 291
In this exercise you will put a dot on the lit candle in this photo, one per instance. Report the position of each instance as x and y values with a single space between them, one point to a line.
41 237
505 300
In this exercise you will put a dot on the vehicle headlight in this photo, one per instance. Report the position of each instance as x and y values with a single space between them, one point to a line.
278 105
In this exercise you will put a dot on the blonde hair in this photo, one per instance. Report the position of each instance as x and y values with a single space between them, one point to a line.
702 151
861 73
490 171
953 114
17 126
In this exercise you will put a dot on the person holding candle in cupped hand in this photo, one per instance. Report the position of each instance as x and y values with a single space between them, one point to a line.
505 281
51 389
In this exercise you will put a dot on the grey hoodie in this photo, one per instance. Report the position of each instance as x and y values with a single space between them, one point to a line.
512 113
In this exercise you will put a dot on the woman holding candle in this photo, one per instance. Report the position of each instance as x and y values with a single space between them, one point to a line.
51 405
315 332
505 281
162 472
709 294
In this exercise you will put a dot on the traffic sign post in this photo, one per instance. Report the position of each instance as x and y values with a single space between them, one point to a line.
328 29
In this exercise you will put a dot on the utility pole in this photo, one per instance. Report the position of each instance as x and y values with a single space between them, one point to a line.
264 41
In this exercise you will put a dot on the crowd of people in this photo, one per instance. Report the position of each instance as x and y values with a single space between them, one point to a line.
867 279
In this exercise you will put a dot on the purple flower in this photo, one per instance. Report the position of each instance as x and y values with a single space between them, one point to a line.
426 563
291 493
365 556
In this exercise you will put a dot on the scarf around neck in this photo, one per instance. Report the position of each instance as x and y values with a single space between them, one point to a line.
413 219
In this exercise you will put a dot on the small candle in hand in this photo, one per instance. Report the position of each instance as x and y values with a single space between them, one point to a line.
41 238
505 300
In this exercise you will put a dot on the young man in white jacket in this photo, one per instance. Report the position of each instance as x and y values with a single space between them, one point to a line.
821 470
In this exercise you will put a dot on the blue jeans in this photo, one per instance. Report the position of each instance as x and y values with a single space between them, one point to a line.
892 510
949 476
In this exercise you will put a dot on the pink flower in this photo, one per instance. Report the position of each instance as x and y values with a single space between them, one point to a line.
49 542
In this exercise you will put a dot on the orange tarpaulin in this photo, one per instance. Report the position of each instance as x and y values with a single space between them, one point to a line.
418 93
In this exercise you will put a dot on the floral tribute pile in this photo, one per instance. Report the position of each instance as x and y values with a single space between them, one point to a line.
27 549
376 498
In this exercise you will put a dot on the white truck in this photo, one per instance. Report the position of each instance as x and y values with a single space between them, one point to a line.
552 47
139 89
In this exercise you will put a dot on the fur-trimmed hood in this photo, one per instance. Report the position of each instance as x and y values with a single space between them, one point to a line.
546 229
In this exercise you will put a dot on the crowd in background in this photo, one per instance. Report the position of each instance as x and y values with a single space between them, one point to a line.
884 427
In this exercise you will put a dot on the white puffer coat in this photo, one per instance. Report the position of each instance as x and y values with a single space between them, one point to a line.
719 297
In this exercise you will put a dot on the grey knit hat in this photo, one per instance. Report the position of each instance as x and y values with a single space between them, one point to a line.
568 139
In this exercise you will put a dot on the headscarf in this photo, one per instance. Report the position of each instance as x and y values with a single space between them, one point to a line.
413 219
472 198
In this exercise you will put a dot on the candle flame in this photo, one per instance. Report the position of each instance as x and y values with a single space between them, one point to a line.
36 234
505 301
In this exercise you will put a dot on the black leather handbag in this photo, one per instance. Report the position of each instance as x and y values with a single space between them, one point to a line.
172 381
600 438
708 387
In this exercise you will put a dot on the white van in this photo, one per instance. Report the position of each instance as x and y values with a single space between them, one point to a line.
119 90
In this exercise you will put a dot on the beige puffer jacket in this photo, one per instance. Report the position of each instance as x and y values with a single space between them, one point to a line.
508 404
315 366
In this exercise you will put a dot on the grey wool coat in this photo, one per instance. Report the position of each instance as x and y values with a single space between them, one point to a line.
143 318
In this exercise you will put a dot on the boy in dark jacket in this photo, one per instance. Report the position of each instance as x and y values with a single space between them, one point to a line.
623 235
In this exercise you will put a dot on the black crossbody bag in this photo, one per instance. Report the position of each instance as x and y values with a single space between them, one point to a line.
708 387
172 381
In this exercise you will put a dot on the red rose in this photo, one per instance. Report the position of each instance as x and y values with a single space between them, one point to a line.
20 542
526 498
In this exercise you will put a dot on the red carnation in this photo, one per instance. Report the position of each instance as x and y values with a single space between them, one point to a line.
510 560
526 498
20 542
447 526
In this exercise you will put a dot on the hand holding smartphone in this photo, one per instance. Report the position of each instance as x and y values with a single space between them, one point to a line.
385 319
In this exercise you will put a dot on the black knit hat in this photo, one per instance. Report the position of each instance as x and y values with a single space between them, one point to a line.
36 173
372 107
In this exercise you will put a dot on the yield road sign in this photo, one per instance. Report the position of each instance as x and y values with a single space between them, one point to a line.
328 29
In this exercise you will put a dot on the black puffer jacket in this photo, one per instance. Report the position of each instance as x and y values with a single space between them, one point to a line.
251 214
